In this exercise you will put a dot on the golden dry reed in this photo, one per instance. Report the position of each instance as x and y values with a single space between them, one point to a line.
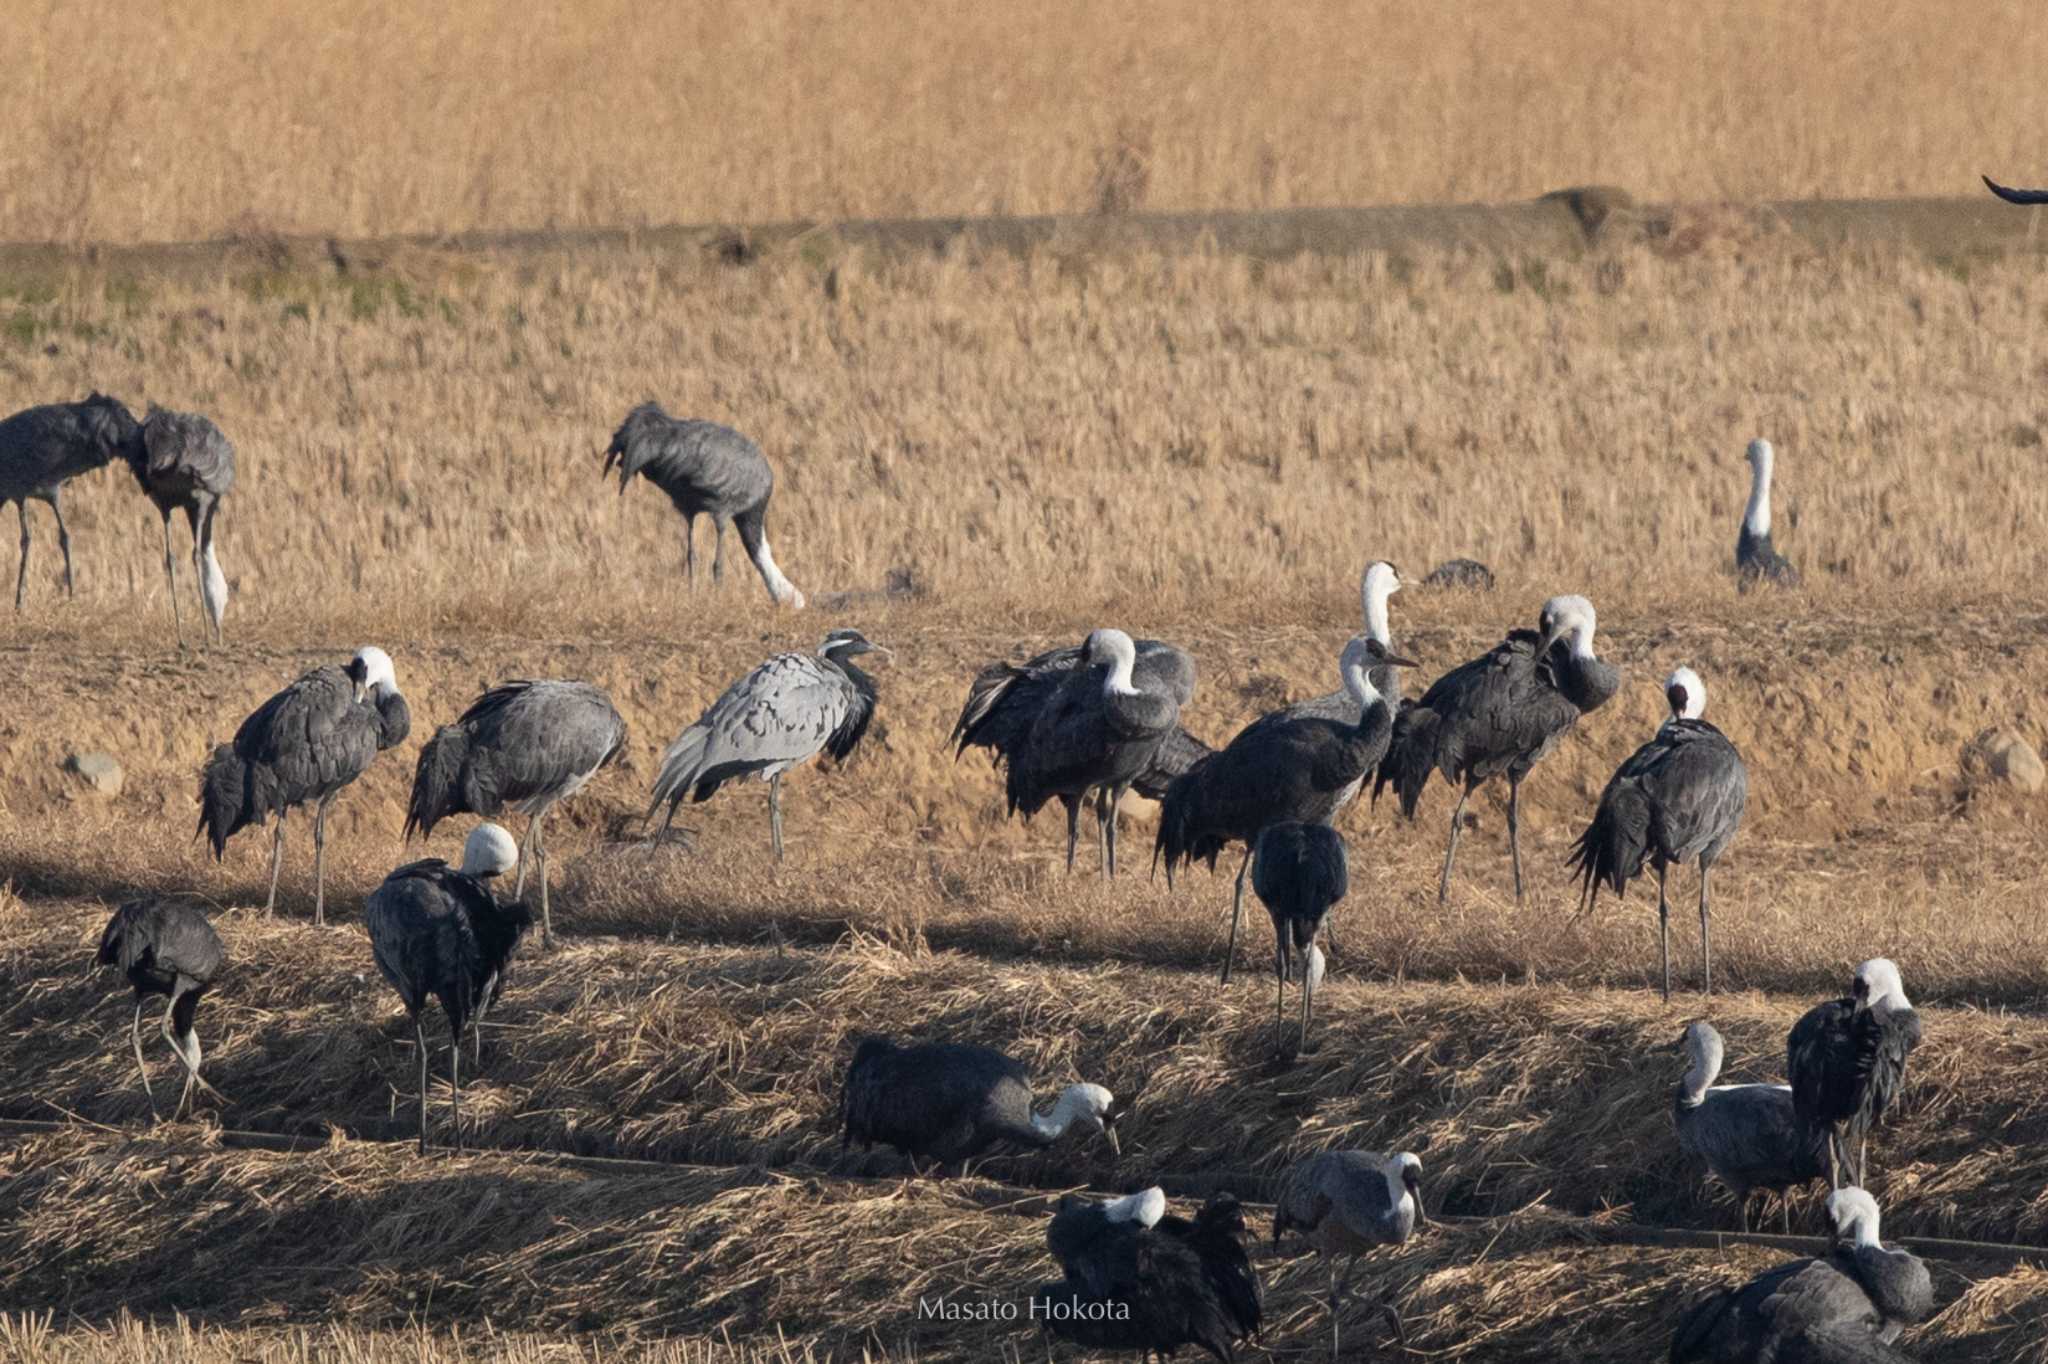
128 121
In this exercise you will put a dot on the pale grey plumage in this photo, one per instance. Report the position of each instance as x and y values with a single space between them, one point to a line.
783 713
1748 1136
1350 1203
184 463
43 448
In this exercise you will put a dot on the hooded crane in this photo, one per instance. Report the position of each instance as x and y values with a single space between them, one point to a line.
1299 768
1755 560
1845 1309
709 469
1678 798
1005 700
166 947
441 932
952 1101
1099 732
1136 1279
523 746
43 448
1499 714
303 746
785 712
1846 1059
1746 1135
1299 872
184 463
2015 196
1349 1203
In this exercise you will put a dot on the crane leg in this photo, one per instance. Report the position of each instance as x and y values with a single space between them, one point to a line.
1664 931
1308 1003
718 551
540 852
320 863
1101 833
775 815
525 856
202 554
690 550
276 862
171 577
1862 1161
1073 828
1443 885
1515 832
1237 911
63 543
1279 982
1706 947
419 1033
455 1085
142 1066
177 1045
21 575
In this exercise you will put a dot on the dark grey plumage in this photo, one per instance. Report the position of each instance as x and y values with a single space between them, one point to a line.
1005 700
1499 715
184 463
300 747
1846 1059
1748 1136
439 931
522 746
1678 798
1349 1203
1299 872
1466 574
950 1102
2016 196
43 448
785 712
1300 768
1755 559
1139 1281
1846 1308
1097 732
706 469
166 947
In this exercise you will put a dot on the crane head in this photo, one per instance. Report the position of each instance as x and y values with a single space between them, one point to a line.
488 851
369 668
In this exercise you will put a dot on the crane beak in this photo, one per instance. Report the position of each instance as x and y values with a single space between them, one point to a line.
1109 1135
1397 661
882 649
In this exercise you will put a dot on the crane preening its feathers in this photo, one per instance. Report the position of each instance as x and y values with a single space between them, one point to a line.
1678 798
1846 1059
705 469
303 745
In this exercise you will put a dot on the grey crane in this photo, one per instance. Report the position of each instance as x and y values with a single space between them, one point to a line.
184 463
953 1101
2016 196
1499 714
1376 587
1349 1203
1299 872
1747 1135
1302 768
1846 1308
43 448
1755 560
1846 1059
706 469
1099 732
785 712
1466 574
1677 799
525 746
303 746
437 930
166 947
1136 1278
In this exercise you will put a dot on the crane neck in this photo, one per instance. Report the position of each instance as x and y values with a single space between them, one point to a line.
1376 625
1756 519
1118 683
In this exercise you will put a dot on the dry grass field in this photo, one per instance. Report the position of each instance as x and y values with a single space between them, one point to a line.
132 124
980 455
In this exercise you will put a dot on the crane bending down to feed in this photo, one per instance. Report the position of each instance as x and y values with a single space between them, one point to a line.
785 712
440 931
1748 1136
43 448
1348 1203
1279 768
1138 1279
1847 1308
1499 714
303 745
2016 196
1678 798
706 469
1098 732
1755 560
1846 1059
166 947
1299 872
184 463
522 746
952 1101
